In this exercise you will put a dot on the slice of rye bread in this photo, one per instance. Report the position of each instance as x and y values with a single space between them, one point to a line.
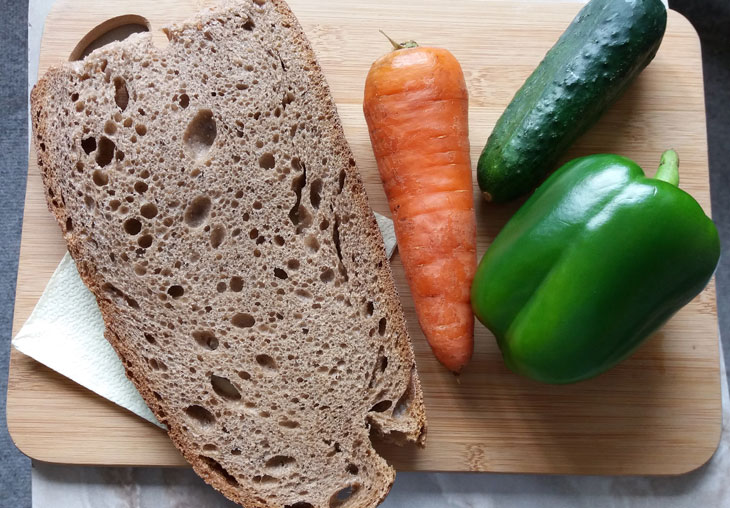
212 205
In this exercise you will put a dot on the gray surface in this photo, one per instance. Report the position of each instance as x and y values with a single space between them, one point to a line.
701 488
15 468
711 19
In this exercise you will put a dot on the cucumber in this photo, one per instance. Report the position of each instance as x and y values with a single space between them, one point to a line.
605 47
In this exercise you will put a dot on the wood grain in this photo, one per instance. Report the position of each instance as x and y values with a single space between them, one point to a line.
657 413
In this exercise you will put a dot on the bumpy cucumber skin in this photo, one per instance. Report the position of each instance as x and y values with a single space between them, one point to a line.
605 47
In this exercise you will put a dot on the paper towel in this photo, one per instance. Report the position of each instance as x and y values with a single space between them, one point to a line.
65 332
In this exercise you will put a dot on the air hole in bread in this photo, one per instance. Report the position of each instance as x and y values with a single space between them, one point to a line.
293 264
381 406
224 388
244 375
381 363
324 224
265 478
74 97
221 287
304 219
197 212
405 400
288 99
149 338
69 224
235 451
288 424
132 226
381 326
208 447
243 320
121 94
338 248
176 291
315 190
206 339
327 276
280 274
300 504
105 151
267 161
110 127
343 495
145 241
200 134
303 293
297 185
157 364
200 415
119 155
341 180
257 205
352 469
148 211
99 177
141 129
280 461
278 240
312 243
88 145
217 235
249 24
236 284
140 187
184 101
216 468
266 362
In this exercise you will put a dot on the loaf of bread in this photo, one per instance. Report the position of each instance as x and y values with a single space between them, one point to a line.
212 205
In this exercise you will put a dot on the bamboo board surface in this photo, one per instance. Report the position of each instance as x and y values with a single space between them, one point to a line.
657 413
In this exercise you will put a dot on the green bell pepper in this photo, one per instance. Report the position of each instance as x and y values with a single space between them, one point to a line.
591 265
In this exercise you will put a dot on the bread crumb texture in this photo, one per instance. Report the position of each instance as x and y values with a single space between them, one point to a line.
213 206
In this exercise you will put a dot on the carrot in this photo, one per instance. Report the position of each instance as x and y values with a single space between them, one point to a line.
416 106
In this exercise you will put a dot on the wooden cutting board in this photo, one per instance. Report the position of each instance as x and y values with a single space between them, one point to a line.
657 413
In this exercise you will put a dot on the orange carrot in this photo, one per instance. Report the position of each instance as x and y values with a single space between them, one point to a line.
416 108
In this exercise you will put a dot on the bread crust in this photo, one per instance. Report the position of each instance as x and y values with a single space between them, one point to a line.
410 427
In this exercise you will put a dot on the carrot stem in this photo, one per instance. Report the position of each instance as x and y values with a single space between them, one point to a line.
400 45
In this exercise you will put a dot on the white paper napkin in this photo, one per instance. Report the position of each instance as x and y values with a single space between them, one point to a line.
65 332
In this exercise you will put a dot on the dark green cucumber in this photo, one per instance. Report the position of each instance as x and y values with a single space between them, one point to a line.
605 47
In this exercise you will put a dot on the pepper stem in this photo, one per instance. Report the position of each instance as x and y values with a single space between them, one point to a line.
400 45
668 168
